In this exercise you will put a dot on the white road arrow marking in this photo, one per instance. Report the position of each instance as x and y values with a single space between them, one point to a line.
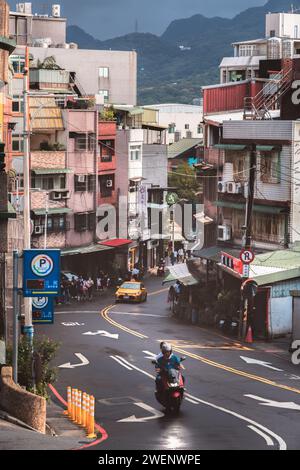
72 324
150 355
102 333
250 360
121 362
277 404
267 438
68 365
133 419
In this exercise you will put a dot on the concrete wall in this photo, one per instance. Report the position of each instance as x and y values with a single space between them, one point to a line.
28 408
155 165
122 80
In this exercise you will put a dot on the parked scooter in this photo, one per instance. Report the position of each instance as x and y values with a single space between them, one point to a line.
170 393
161 269
228 325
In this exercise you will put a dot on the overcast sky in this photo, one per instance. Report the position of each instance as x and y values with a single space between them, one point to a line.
105 19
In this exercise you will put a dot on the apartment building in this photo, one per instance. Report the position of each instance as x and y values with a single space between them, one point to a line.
281 41
183 121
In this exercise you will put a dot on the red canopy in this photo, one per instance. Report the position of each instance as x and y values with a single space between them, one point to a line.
115 242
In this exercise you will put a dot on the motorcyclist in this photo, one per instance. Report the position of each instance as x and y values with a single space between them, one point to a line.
167 360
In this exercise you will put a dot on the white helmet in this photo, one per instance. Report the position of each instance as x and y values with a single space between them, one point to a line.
166 348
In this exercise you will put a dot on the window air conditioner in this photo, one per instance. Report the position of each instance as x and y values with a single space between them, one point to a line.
81 179
38 230
56 11
109 183
221 187
234 188
224 233
56 196
65 195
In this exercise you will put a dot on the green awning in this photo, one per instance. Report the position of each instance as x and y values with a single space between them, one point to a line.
229 147
186 281
52 211
85 250
51 171
256 207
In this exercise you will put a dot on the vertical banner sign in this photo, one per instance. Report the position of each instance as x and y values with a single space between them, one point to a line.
42 310
41 273
142 209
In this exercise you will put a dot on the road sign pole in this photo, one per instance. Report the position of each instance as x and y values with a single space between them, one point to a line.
15 316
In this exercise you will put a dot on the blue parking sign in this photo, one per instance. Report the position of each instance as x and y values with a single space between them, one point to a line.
41 273
42 311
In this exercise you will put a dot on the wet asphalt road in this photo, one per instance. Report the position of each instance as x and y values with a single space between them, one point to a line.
227 405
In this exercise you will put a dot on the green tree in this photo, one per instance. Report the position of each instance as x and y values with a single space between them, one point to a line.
184 178
45 351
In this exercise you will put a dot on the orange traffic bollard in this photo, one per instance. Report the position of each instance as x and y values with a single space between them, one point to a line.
91 419
68 411
83 414
74 405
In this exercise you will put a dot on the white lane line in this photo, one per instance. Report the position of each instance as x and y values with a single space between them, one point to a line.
191 401
120 362
76 311
136 368
281 442
262 434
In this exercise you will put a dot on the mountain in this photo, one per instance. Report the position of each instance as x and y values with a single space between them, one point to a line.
168 73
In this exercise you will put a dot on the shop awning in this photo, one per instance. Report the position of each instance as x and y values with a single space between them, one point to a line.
256 208
116 242
265 148
51 171
213 253
230 147
181 273
52 211
85 250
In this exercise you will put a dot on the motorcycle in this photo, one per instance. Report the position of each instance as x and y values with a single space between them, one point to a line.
170 393
228 325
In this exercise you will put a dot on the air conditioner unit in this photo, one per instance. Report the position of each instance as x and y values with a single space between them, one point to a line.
56 196
38 230
56 11
65 195
81 178
109 183
233 188
222 187
224 233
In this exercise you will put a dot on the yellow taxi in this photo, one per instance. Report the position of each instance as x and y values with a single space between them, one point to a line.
131 291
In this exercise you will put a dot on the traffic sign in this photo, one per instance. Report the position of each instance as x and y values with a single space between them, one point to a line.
172 198
42 311
247 256
41 273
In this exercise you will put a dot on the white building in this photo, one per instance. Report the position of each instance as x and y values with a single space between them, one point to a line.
282 40
181 120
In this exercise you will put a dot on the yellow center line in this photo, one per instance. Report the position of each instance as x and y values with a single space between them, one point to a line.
104 314
235 371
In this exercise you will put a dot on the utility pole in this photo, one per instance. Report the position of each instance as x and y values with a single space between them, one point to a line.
46 219
246 307
28 328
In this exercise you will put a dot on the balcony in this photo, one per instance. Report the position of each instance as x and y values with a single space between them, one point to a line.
48 159
107 129
46 79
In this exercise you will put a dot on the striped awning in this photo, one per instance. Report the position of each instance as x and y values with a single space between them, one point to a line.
45 114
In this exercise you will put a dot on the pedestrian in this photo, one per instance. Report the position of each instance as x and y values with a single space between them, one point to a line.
177 289
176 256
135 273
99 283
181 255
90 286
172 257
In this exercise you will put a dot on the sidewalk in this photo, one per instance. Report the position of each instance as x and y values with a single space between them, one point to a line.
62 434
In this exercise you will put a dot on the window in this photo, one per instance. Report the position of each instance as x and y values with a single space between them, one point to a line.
107 185
247 50
272 33
270 167
80 222
80 182
103 72
107 150
296 31
92 221
17 143
104 93
187 126
135 152
18 104
199 129
91 183
172 128
18 63
83 142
